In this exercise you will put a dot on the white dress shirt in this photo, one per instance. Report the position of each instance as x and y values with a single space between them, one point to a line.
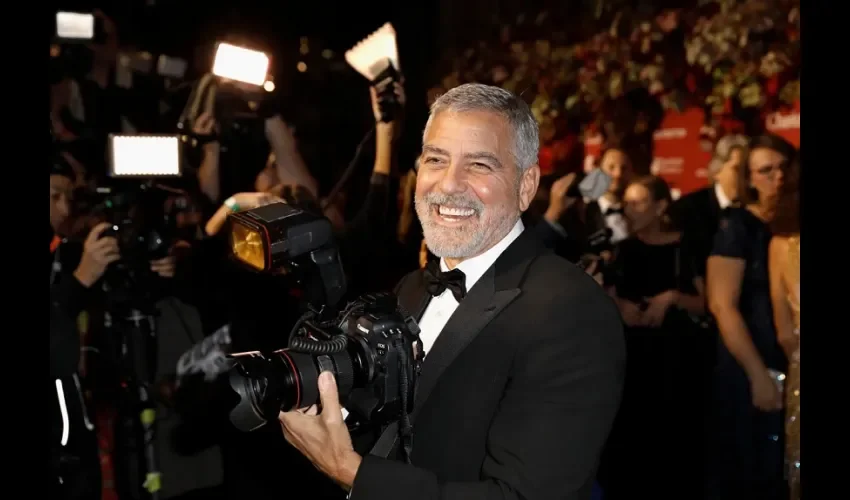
722 199
441 308
615 222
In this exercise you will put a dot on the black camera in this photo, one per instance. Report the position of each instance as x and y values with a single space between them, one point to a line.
371 345
369 348
139 222
136 217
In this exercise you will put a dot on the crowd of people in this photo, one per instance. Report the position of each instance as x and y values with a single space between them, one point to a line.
707 286
738 61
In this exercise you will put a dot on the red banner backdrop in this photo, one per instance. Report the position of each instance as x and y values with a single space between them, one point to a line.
679 157
785 124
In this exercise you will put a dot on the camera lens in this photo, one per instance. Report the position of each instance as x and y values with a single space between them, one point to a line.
283 381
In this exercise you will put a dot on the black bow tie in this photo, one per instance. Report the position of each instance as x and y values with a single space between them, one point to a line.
436 281
613 211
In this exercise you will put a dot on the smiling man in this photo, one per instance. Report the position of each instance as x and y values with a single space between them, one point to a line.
524 353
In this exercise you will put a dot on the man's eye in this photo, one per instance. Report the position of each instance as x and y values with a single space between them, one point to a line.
432 160
481 165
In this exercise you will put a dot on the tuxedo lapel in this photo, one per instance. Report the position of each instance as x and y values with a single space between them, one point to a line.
714 203
497 288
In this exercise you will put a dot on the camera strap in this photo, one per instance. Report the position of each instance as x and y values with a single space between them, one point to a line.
386 442
389 438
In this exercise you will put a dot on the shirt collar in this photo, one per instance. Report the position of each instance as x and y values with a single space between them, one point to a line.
475 267
605 204
722 199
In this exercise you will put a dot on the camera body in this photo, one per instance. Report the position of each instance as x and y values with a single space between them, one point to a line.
240 110
371 347
141 233
140 223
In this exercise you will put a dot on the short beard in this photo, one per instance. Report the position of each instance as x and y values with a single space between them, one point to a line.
463 242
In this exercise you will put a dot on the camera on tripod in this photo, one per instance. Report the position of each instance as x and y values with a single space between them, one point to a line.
371 345
134 204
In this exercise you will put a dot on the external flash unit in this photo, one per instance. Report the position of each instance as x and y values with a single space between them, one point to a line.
268 238
376 58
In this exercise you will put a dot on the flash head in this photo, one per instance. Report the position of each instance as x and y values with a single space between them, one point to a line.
278 237
371 56
376 58
144 155
269 237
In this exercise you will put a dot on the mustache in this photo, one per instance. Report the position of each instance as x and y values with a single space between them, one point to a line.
456 201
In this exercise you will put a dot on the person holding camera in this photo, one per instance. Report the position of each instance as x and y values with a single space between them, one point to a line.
71 293
520 382
75 459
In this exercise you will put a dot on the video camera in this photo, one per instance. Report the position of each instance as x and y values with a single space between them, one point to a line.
371 345
237 92
71 55
134 204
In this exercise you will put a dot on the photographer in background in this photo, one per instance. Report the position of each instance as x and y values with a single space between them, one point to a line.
87 102
90 259
74 462
71 292
100 318
233 154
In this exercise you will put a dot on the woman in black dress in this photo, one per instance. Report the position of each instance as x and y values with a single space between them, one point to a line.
654 448
747 450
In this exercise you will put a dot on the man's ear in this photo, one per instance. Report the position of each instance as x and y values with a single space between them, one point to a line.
528 183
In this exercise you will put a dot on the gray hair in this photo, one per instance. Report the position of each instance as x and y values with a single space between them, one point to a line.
723 151
480 97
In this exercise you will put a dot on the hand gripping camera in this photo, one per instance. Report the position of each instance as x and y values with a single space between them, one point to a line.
371 345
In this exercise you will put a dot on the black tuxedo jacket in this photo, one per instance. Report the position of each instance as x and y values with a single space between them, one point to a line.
518 394
697 216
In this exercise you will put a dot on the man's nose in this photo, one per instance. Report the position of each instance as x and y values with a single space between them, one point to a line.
453 180
64 208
